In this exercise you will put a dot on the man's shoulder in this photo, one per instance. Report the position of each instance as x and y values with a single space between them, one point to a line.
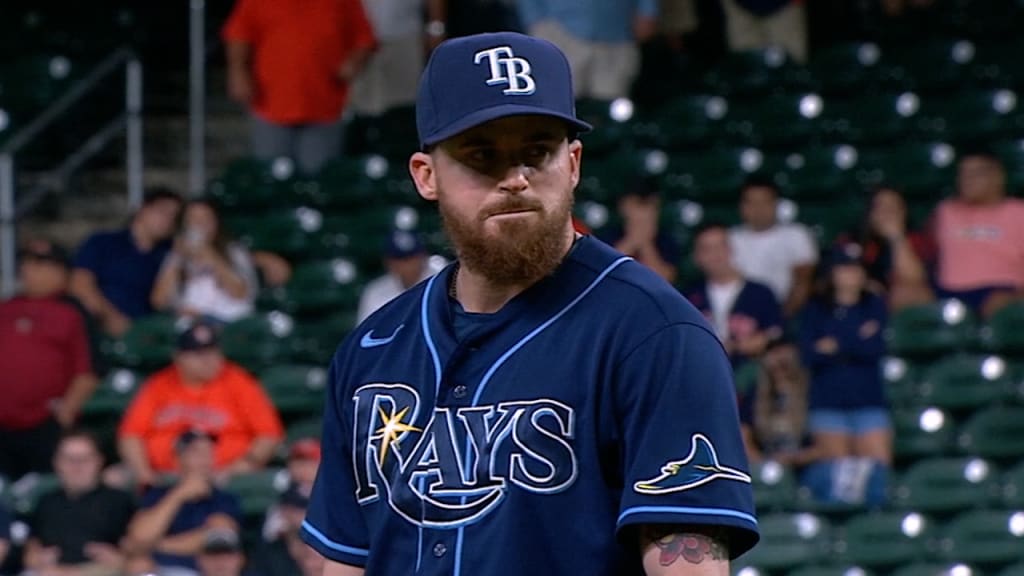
758 289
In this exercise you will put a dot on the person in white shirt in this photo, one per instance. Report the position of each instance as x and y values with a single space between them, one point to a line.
407 262
782 256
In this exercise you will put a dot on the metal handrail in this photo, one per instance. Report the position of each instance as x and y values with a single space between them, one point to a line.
130 119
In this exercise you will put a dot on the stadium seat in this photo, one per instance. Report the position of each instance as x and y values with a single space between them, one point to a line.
316 339
884 540
930 330
846 68
685 122
902 378
922 433
393 133
820 173
1013 487
1012 154
935 569
755 73
295 389
713 176
362 234
996 433
774 487
946 485
829 219
1004 331
774 121
604 180
257 491
965 382
290 233
873 118
919 169
1012 570
259 341
984 537
317 286
788 541
830 570
931 66
998 64
351 182
972 116
149 343
113 394
611 121
308 428
249 185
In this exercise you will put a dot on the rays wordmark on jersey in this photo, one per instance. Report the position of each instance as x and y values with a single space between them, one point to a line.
456 465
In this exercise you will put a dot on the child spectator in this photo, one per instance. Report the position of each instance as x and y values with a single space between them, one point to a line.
773 415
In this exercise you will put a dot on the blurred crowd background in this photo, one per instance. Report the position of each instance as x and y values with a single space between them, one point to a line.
836 185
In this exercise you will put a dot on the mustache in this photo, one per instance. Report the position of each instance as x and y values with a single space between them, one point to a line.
517 205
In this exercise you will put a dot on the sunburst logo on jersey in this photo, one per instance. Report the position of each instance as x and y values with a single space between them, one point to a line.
391 429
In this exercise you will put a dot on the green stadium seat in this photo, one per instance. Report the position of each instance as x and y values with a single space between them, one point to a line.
295 389
318 339
1012 570
884 540
774 121
931 66
902 378
113 394
1012 154
830 570
251 184
308 428
149 343
1012 496
257 491
713 176
998 64
775 487
828 220
931 329
393 133
789 541
1004 331
846 68
611 121
935 569
946 485
922 433
984 537
605 180
259 341
685 122
351 182
290 233
25 493
818 173
317 286
874 118
965 382
995 433
362 234
972 116
919 169
755 73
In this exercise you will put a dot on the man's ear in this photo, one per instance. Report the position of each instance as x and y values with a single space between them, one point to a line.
575 161
421 167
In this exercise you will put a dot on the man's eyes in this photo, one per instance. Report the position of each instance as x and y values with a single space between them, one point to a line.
530 155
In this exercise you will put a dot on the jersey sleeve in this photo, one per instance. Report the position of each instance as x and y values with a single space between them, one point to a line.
683 455
334 524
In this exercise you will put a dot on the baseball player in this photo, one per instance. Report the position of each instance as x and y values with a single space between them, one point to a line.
544 405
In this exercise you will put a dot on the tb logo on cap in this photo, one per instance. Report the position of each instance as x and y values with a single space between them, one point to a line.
506 68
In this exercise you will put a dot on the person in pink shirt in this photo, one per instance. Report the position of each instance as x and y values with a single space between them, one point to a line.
979 236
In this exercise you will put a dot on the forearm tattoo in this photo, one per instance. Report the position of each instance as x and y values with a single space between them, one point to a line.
693 544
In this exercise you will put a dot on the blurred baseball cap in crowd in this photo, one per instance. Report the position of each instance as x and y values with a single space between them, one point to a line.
402 244
305 449
475 79
199 336
846 253
189 436
221 542
45 251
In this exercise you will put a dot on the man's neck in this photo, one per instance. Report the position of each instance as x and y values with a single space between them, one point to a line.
728 277
142 240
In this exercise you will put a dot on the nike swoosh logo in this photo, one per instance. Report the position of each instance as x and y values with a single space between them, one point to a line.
369 341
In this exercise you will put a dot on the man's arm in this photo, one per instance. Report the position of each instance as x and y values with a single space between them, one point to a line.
70 405
332 568
803 279
150 525
134 455
84 288
189 543
240 83
684 550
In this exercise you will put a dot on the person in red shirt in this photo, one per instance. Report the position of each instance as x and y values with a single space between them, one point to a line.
292 62
201 390
46 369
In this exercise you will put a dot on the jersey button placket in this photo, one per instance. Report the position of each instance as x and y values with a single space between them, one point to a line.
440 549
460 391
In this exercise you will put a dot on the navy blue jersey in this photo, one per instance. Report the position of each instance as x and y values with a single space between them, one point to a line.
594 401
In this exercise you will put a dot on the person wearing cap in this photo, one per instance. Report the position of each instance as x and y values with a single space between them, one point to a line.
199 390
842 345
407 262
541 383
46 367
979 237
640 235
222 554
174 521
282 551
113 272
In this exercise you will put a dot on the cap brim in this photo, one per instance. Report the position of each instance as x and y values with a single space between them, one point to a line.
493 113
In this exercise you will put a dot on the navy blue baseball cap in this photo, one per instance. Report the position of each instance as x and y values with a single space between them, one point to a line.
475 79
403 244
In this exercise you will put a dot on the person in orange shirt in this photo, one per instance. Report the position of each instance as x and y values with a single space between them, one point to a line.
201 390
291 63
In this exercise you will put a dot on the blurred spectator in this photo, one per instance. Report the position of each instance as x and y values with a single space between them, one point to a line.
676 19
773 415
640 235
407 262
842 345
45 367
781 256
979 236
221 554
466 17
392 73
207 275
893 254
599 39
284 518
5 533
745 315
753 24
114 272
200 390
292 63
77 528
174 521
273 269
